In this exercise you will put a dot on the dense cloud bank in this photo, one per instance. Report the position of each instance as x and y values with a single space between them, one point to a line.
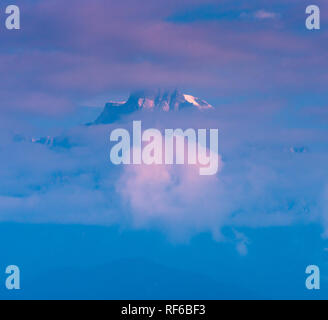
271 174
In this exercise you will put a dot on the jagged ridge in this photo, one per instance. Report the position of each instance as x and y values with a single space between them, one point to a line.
150 100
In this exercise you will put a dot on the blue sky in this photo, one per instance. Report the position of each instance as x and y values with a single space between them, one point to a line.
67 215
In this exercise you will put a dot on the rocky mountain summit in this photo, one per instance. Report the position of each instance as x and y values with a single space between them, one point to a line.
160 100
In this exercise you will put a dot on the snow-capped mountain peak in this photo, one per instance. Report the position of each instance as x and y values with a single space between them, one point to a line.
149 101
200 104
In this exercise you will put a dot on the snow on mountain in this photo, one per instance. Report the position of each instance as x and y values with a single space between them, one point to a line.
200 104
150 100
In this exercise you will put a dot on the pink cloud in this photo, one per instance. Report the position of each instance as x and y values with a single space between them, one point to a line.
173 195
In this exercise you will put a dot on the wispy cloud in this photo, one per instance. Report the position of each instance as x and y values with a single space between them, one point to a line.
260 15
242 243
263 15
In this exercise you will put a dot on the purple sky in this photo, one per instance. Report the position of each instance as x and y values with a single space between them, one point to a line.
69 54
